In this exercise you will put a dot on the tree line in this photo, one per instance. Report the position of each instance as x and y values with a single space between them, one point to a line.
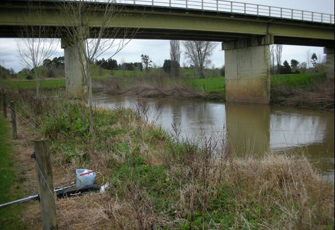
312 63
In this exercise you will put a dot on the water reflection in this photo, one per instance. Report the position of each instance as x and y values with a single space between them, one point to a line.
289 129
250 129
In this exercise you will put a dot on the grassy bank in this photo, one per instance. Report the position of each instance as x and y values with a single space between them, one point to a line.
10 215
311 90
31 84
160 182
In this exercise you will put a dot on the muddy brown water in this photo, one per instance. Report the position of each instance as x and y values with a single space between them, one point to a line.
250 129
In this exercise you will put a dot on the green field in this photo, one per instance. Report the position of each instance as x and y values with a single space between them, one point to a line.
49 84
209 84
304 80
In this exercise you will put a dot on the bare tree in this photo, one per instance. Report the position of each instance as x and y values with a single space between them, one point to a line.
198 53
94 40
175 57
308 58
279 51
273 58
36 45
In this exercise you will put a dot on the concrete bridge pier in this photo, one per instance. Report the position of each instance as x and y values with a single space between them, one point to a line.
329 62
74 61
247 63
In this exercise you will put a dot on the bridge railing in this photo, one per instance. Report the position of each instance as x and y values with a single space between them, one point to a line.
238 8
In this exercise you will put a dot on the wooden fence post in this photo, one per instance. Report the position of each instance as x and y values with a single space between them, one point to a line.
4 103
13 120
45 185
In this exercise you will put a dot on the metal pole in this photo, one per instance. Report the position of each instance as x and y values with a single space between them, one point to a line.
13 120
45 185
257 10
32 197
281 12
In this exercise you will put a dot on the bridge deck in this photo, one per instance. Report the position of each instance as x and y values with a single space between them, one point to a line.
214 20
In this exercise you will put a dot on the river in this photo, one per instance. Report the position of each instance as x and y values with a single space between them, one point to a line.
249 129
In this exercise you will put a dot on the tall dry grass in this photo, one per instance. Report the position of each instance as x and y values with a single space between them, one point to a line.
320 96
161 182
152 86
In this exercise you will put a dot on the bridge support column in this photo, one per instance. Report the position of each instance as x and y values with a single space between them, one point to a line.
247 63
329 62
76 86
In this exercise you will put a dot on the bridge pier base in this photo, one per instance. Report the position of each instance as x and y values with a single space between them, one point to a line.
329 62
248 70
76 86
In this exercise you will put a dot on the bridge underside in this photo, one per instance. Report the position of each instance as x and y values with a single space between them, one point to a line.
169 34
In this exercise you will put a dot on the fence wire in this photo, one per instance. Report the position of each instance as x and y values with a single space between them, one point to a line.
8 106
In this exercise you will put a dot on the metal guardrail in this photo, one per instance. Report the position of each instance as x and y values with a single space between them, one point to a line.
237 8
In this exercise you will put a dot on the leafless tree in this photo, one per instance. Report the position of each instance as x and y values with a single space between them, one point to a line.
279 51
198 53
175 57
308 58
273 58
36 45
94 40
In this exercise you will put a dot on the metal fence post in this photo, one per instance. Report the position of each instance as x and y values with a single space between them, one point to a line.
13 120
45 185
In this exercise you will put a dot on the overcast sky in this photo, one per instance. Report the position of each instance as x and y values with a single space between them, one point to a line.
158 50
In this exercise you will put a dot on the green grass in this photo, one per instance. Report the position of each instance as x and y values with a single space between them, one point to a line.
209 84
50 84
21 76
304 80
9 216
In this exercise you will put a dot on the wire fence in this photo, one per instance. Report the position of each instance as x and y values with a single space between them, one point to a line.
34 128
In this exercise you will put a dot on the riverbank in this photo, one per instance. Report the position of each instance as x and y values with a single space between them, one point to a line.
305 91
158 181
309 90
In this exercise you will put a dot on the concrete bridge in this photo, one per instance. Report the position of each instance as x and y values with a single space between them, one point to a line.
245 30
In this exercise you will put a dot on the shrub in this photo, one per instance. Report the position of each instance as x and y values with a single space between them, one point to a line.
29 77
